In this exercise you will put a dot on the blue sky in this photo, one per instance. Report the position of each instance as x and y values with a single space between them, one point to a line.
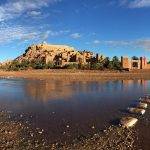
109 27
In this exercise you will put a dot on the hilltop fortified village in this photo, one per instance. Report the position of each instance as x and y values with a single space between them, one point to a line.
61 55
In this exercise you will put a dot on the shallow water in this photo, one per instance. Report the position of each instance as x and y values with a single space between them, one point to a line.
69 109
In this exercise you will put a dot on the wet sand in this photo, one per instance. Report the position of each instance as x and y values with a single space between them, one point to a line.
83 75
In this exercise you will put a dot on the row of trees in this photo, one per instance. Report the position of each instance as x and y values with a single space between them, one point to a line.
107 63
24 65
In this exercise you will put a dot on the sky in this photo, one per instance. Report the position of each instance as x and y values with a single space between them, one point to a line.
108 27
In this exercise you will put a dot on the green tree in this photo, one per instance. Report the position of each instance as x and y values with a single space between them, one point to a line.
97 66
116 64
106 62
25 64
15 66
71 66
135 58
38 64
84 66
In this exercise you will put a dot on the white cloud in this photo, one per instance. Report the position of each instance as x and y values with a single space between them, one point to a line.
16 32
139 3
137 43
76 35
12 33
143 43
96 42
51 33
34 13
135 3
15 8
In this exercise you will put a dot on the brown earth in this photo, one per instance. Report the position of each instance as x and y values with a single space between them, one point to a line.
89 75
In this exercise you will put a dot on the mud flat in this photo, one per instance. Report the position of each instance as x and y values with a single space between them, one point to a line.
89 75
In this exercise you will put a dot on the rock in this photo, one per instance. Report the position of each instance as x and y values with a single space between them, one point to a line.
145 100
142 105
137 111
147 96
128 122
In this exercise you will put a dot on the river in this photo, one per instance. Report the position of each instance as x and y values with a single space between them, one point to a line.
69 109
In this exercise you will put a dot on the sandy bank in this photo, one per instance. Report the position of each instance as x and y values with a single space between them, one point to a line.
78 74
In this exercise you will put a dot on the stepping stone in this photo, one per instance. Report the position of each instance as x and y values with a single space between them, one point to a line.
136 111
145 100
147 96
142 105
127 122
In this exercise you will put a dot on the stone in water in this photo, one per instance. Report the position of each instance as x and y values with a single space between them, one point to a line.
142 105
145 100
136 111
128 122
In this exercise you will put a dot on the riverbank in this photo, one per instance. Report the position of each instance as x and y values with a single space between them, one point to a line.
17 133
89 75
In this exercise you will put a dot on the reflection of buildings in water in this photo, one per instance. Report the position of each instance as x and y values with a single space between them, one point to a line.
144 84
128 83
45 90
63 90
55 90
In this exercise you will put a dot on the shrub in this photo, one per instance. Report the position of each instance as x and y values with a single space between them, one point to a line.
38 64
49 65
71 66
84 66
106 62
97 66
115 63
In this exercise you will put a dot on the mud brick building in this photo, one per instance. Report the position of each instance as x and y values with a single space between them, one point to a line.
129 63
59 55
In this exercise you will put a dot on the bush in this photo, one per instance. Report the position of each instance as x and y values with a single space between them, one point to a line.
49 65
106 62
84 66
115 63
97 66
15 65
38 64
71 66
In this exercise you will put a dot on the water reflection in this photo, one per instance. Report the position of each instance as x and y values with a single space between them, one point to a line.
46 90
64 90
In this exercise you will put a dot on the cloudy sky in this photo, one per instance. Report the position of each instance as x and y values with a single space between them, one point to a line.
110 27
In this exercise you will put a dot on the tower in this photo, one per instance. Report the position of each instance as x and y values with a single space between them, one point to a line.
125 62
143 63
